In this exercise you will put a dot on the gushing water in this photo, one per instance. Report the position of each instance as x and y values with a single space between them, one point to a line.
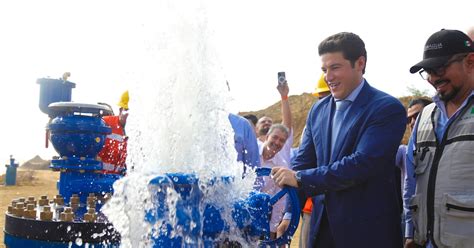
178 123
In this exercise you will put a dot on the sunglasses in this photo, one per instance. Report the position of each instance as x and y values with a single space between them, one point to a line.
426 73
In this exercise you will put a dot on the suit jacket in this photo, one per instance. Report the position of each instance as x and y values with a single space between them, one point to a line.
355 182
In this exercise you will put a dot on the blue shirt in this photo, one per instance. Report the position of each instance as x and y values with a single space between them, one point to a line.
410 180
353 95
400 161
245 141
350 98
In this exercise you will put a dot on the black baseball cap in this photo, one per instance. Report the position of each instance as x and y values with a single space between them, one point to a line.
441 46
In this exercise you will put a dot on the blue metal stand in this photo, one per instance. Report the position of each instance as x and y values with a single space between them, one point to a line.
10 176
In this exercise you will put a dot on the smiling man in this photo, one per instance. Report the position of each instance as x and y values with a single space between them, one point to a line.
441 147
346 157
263 126
275 151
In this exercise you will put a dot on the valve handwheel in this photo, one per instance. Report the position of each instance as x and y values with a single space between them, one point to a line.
295 212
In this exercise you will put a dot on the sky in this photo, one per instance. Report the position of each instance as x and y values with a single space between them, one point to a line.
103 44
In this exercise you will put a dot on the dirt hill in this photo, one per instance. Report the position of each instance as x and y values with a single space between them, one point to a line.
36 163
300 105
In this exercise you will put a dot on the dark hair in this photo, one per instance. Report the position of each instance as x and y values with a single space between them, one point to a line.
251 118
350 44
422 101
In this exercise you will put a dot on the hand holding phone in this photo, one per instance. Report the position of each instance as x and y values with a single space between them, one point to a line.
282 85
281 77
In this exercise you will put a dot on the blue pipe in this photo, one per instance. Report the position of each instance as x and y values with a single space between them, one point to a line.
196 228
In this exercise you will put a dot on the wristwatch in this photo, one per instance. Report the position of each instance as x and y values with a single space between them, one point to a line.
298 178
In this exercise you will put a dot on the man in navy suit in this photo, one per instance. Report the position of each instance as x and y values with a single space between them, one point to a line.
347 155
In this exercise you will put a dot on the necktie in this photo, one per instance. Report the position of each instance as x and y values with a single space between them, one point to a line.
341 107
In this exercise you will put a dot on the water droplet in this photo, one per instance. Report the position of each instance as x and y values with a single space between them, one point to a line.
79 241
68 228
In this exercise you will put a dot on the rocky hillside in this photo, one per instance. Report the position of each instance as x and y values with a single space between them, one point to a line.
36 163
300 105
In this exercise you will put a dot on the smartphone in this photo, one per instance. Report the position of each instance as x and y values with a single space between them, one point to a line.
281 77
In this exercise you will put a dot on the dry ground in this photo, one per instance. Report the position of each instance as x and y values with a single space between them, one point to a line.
29 183
37 183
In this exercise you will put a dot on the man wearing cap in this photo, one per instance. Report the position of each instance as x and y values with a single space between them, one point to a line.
441 147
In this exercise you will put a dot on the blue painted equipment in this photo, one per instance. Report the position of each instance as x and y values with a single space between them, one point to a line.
198 229
53 90
77 133
24 232
10 175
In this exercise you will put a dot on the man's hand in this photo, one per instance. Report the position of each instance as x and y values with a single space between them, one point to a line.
283 89
283 176
410 243
282 227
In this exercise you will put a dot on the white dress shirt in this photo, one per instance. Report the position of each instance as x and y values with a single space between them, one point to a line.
281 159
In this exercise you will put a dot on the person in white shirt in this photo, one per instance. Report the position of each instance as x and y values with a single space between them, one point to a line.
275 151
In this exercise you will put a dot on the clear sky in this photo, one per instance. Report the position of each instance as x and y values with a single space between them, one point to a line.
103 45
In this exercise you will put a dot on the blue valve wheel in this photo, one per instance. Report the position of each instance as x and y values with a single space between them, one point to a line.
295 212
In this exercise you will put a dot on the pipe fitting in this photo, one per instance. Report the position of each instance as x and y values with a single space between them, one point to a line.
31 200
90 216
10 210
30 212
19 209
46 214
59 200
43 201
67 215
